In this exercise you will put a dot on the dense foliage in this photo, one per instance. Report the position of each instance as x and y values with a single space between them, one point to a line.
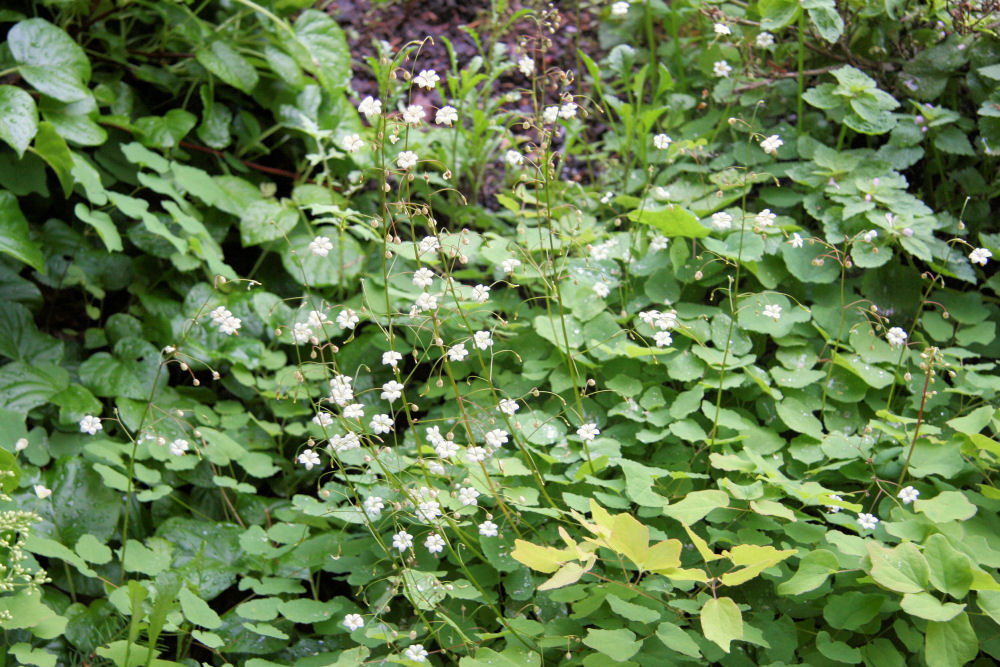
684 356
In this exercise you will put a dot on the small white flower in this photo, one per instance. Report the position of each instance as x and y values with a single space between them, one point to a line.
21 445
426 301
527 65
508 406
353 622
513 158
771 144
370 107
483 339
607 197
834 508
219 315
764 40
765 218
908 495
446 115
423 277
434 543
354 411
433 435
796 241
352 143
568 110
867 521
344 443
347 319
870 235
773 311
91 424
374 506
392 390
391 358
320 246
722 29
658 242
722 220
601 289
721 68
980 256
427 79
428 510
341 391
662 338
413 114
619 9
309 458
178 447
317 319
446 448
429 244
896 336
468 496
480 293
662 142
550 114
322 419
496 438
402 540
588 431
488 529
416 653
42 491
406 160
475 454
457 352
301 332
510 265
230 325
381 423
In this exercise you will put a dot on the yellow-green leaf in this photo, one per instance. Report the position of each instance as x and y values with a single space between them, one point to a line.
721 622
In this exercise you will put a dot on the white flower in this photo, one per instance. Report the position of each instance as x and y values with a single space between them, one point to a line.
353 622
483 339
457 352
508 406
434 543
658 243
446 448
480 293
446 115
91 424
381 423
370 107
317 319
895 336
322 419
619 9
607 197
510 265
416 653
773 310
391 358
433 435
402 540
601 289
722 220
980 256
413 114
21 445
496 438
354 411
178 447
230 325
427 79
429 244
568 110
908 495
662 142
340 390
425 301
666 320
475 454
347 319
796 240
374 506
527 65
428 510
588 431
662 338
772 144
309 458
320 246
423 277
352 143
764 40
722 29
513 158
468 496
870 235
343 443
301 332
42 491
867 521
765 218
721 68
406 160
392 390
488 529
550 114
219 315
834 508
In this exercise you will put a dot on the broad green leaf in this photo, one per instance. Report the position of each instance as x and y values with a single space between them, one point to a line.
837 650
21 340
674 638
343 262
49 59
850 611
632 611
24 387
619 645
798 417
630 538
130 372
814 569
752 559
93 550
543 559
569 573
424 590
26 610
101 222
671 221
165 131
950 644
776 14
18 118
260 609
26 655
975 421
696 505
946 506
950 570
53 149
663 555
15 237
149 560
266 220
824 17
754 314
902 569
925 605
197 610
304 610
327 54
559 330
222 60
43 546
721 622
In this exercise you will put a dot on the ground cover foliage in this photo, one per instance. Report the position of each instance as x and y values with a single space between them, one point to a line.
685 355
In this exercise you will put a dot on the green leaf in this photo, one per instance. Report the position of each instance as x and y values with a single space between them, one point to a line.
671 221
131 372
304 610
824 17
901 569
53 149
267 221
261 609
619 645
925 605
752 317
26 655
975 421
852 610
197 610
26 610
343 262
14 235
776 14
696 505
950 570
953 140
837 650
814 569
950 644
21 340
93 550
512 656
550 327
674 638
18 118
752 559
50 60
327 54
721 622
946 506
149 560
222 60
101 222
24 387
632 611
165 131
